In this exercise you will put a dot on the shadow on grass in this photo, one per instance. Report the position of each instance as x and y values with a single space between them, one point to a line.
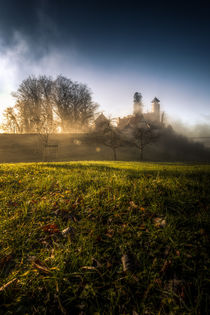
163 171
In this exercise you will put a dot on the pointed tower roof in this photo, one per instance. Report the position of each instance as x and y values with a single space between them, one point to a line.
155 100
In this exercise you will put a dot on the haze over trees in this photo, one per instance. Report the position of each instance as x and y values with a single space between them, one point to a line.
44 105
11 123
141 136
107 134
34 104
73 103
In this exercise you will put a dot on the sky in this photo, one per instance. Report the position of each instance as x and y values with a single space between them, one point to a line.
116 48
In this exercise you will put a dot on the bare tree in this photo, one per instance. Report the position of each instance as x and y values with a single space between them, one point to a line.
41 100
73 103
11 122
46 85
108 135
34 103
142 135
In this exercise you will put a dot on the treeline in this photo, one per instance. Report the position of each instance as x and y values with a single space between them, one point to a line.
45 105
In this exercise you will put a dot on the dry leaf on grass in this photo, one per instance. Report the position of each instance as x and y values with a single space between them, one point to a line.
166 264
89 267
133 205
39 266
96 263
66 231
110 233
167 250
92 268
51 228
5 286
69 231
159 222
127 262
142 227
108 264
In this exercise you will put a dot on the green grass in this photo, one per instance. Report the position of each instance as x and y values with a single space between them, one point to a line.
113 211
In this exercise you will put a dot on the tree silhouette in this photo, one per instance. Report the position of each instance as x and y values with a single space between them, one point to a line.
34 103
41 100
11 122
73 103
108 135
143 134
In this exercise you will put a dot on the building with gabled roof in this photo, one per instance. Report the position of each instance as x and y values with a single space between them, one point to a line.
139 117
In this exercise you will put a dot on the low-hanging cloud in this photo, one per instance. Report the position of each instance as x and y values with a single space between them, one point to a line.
17 62
191 130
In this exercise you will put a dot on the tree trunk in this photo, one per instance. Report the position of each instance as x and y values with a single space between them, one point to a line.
115 154
64 125
141 154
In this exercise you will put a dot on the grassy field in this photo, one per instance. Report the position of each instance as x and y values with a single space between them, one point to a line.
104 238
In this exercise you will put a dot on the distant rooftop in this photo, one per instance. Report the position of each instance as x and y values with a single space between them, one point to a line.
155 100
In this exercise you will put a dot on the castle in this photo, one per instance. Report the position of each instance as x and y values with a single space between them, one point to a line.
138 117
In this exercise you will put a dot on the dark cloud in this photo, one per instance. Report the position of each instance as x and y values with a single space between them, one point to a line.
114 27
32 21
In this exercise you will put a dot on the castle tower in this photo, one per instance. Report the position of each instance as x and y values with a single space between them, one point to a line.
137 104
156 109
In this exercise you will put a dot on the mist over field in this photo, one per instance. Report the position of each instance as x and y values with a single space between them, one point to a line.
195 130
